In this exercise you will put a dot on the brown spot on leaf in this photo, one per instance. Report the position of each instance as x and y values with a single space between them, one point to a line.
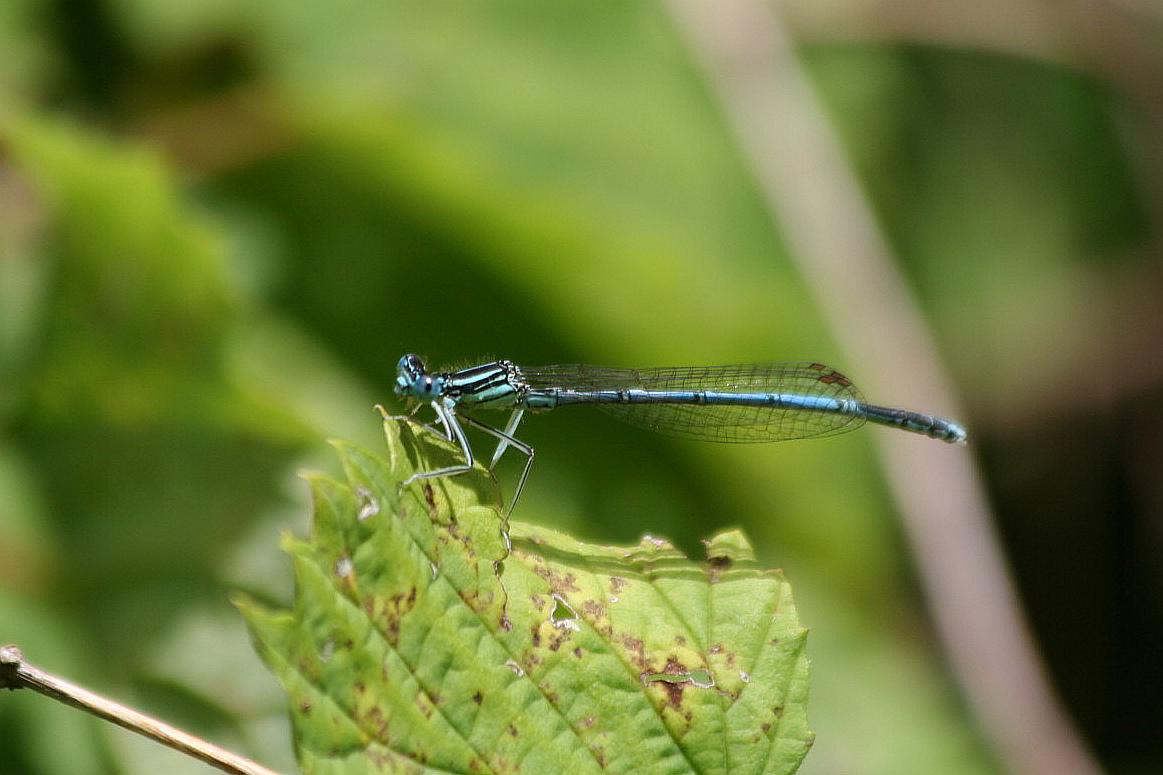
557 583
394 609
547 691
673 692
374 718
593 609
637 649
540 568
558 638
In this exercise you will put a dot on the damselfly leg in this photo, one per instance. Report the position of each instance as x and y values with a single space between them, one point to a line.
452 430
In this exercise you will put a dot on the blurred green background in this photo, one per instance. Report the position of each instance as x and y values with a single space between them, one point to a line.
223 221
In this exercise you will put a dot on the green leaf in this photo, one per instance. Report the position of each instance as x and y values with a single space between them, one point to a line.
421 641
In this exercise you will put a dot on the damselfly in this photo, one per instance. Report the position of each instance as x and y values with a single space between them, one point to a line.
748 403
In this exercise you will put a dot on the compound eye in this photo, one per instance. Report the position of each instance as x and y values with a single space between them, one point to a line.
411 366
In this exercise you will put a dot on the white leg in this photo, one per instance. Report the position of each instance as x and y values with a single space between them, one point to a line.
510 429
509 441
443 432
448 420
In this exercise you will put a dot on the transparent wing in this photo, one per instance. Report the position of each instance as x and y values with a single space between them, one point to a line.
710 422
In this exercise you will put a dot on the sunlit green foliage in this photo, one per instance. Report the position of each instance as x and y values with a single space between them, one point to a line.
222 222
420 642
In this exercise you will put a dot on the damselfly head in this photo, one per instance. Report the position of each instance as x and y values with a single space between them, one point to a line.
413 379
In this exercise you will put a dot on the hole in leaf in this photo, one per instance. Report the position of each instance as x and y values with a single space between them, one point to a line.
563 615
700 677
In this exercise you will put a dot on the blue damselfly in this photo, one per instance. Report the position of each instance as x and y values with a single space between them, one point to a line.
746 403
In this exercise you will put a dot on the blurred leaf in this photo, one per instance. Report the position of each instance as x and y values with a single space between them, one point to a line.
138 300
26 57
149 452
419 640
